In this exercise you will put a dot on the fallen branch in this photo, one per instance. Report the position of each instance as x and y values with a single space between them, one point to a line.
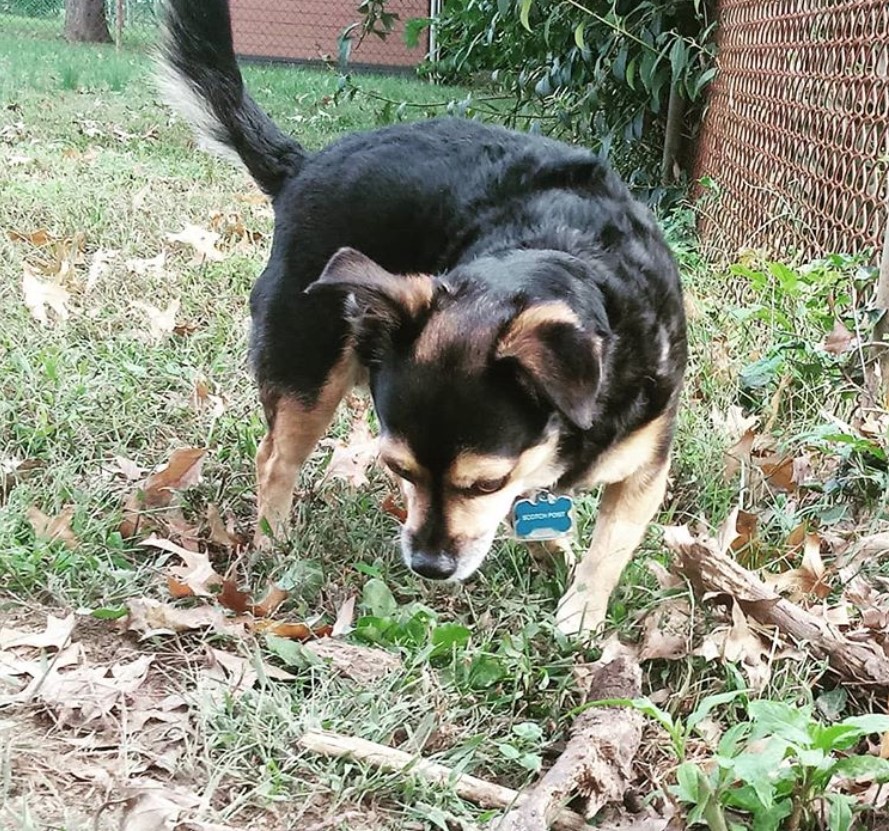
711 571
597 761
477 791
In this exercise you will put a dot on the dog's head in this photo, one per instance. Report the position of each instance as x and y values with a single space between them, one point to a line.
474 391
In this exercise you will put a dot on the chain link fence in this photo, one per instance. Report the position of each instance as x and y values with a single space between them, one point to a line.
288 30
796 135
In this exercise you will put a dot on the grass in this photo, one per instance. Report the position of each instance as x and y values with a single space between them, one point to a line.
87 151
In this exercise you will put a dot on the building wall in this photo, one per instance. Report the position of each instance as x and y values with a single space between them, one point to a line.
308 30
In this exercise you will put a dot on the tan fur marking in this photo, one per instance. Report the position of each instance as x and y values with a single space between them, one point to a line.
398 451
521 341
470 467
293 433
636 451
454 326
414 292
468 517
626 509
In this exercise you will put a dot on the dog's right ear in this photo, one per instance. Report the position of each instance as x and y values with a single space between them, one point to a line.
379 302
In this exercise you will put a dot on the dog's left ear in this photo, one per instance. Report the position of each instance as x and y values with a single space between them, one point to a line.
557 357
377 292
379 306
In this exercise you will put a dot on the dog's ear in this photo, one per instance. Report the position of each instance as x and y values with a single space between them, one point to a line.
377 292
556 357
380 306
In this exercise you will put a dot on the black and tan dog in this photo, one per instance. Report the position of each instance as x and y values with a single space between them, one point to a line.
517 316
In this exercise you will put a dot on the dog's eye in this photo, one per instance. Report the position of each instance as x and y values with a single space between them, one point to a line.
401 472
486 486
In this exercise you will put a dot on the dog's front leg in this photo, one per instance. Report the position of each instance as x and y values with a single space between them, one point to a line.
626 509
295 427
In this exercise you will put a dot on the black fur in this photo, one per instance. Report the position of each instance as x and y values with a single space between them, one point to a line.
505 220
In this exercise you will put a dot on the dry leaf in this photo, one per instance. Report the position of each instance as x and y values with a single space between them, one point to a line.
15 471
274 597
351 458
38 238
161 322
220 533
201 240
129 469
55 528
42 295
745 530
738 454
363 664
666 632
98 267
149 617
391 507
197 573
240 602
55 635
839 339
145 266
293 631
343 623
156 492
152 806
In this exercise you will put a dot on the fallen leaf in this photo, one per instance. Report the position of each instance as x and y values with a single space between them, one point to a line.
666 632
351 458
54 528
138 199
201 240
220 534
839 339
197 574
738 454
290 630
91 692
152 806
98 267
391 507
38 238
363 664
240 602
274 597
242 673
129 469
156 492
55 635
745 528
14 472
42 295
161 322
344 617
149 617
147 266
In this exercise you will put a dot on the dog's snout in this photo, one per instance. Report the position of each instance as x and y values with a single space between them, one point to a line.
438 565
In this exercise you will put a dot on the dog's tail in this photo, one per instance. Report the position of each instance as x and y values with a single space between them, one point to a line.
200 79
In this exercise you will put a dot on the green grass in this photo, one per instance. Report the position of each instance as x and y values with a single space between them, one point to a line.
86 149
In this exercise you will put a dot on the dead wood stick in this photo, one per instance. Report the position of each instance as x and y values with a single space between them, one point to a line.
477 791
709 571
598 759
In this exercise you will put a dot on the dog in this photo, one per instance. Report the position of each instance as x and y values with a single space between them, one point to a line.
516 314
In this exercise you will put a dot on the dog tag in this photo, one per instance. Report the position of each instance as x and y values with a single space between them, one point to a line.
544 516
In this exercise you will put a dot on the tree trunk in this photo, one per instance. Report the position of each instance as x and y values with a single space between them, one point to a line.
85 21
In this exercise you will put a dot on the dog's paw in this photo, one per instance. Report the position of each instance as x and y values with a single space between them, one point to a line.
580 612
546 553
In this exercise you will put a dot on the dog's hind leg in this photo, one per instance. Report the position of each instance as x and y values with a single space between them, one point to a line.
294 428
626 509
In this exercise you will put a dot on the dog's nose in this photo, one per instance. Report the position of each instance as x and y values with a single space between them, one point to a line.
435 566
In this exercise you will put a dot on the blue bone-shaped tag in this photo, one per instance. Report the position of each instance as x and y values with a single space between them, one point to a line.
543 517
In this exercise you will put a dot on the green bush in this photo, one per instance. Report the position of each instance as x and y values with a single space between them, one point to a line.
596 71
